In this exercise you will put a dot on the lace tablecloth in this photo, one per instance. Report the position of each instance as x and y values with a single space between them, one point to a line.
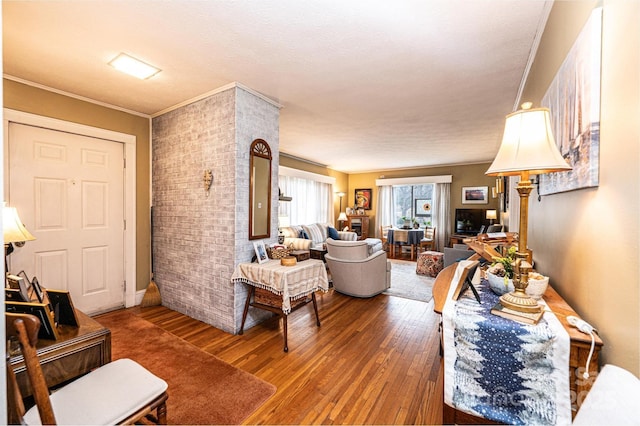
292 282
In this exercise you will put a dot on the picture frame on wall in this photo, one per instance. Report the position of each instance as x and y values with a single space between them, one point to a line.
363 198
261 251
475 195
423 207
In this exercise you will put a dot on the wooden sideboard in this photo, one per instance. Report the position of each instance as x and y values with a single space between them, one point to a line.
77 351
360 225
578 353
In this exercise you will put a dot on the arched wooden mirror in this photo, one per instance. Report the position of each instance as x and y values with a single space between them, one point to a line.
259 190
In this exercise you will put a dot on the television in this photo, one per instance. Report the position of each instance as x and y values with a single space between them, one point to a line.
470 221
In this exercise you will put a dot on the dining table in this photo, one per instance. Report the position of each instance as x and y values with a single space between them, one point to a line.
404 237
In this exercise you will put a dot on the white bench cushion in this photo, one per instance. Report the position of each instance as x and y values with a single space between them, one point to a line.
105 396
613 399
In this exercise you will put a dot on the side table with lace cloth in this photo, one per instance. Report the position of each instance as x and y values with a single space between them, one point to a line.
293 284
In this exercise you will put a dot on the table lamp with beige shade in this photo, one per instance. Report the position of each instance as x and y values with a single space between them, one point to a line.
528 148
491 215
14 232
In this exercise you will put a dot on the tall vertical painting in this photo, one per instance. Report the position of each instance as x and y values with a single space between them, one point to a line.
574 101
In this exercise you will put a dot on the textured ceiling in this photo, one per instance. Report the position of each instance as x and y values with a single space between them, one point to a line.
365 85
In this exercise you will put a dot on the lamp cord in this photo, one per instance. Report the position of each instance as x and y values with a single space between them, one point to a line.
593 344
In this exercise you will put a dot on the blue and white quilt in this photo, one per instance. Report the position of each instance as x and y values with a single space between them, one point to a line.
500 369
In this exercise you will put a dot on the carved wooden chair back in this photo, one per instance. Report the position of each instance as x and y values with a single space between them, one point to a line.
428 242
383 236
111 387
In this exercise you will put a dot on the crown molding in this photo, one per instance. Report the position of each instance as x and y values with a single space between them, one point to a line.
72 95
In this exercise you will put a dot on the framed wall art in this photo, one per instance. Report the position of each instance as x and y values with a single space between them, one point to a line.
423 207
363 198
573 99
475 195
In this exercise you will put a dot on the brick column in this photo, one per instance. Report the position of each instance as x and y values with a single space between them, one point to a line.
199 239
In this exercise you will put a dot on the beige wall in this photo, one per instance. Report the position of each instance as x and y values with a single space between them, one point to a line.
33 100
587 240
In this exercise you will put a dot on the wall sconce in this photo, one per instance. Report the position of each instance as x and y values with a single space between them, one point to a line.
208 180
498 189
536 181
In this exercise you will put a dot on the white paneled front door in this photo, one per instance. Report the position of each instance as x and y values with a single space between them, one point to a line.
69 192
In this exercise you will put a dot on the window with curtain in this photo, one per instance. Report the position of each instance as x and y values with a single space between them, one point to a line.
413 202
409 197
311 201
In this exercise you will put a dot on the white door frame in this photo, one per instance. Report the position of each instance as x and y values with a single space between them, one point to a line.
129 178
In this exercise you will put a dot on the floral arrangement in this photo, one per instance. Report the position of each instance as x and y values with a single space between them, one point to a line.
503 266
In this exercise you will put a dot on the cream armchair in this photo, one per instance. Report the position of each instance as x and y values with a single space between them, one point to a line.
356 273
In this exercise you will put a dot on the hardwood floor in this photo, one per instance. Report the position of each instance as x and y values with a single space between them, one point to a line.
373 361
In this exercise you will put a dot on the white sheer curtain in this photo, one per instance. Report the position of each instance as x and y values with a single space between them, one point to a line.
442 219
384 212
312 201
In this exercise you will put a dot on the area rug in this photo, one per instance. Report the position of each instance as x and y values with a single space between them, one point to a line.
202 388
406 283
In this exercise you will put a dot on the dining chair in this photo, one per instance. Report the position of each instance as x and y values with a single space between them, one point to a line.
119 392
383 236
401 241
428 242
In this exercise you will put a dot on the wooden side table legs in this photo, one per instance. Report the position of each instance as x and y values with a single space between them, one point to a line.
276 310
315 308
250 294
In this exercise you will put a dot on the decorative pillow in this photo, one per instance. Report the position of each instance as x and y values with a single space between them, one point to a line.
291 231
333 233
303 234
315 233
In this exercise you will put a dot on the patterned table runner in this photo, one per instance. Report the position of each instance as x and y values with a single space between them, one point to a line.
292 282
500 369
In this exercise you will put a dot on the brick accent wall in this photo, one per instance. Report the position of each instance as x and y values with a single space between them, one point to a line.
197 239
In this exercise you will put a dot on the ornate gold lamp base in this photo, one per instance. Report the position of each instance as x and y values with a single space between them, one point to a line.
519 300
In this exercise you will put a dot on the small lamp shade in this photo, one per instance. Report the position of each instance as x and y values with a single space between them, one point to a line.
12 227
342 217
527 145
492 214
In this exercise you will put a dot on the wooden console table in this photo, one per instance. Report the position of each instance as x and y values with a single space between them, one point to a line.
287 288
578 352
77 351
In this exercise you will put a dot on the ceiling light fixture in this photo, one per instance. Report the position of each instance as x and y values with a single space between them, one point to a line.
132 66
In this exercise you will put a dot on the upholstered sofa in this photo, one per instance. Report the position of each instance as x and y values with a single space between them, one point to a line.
456 253
356 272
303 237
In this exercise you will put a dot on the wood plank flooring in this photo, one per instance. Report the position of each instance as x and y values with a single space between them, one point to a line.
373 361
